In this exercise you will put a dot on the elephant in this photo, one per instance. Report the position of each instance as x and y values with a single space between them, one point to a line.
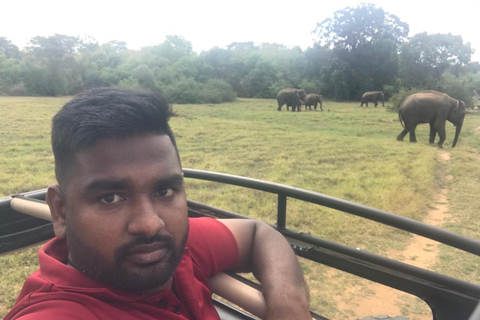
298 106
291 97
312 100
431 107
373 96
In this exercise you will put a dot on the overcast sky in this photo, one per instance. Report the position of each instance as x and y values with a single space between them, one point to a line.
209 23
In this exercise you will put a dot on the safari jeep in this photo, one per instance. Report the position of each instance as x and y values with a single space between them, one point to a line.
24 221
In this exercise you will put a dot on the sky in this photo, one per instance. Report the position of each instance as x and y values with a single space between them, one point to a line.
214 23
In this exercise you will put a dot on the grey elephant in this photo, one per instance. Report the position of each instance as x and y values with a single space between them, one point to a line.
298 106
291 97
431 107
373 96
312 100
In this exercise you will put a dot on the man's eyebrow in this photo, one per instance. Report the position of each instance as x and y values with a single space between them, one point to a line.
102 185
174 180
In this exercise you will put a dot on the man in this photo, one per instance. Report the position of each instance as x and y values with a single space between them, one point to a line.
125 247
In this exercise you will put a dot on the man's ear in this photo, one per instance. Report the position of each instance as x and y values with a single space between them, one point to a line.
56 202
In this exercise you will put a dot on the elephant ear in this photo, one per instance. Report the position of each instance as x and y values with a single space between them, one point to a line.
456 107
455 113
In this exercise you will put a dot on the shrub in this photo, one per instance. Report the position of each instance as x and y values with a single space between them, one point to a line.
398 98
391 90
457 88
312 86
186 90
129 83
217 91
278 85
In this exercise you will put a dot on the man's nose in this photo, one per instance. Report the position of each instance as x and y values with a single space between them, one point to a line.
145 218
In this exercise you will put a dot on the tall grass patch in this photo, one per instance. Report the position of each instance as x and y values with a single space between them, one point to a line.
346 151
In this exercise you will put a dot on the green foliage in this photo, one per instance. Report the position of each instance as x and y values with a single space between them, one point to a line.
129 83
358 51
8 49
352 28
390 90
145 77
459 88
217 91
365 40
259 80
425 57
398 98
313 86
186 90
174 48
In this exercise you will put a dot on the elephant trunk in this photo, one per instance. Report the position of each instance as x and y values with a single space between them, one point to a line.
457 132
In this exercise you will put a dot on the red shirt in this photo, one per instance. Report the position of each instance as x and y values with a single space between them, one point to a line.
58 291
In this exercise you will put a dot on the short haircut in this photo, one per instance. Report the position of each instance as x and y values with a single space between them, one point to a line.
106 113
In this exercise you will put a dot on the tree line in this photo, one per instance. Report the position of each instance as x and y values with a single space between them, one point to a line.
358 49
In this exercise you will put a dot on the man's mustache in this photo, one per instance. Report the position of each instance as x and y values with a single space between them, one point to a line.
167 242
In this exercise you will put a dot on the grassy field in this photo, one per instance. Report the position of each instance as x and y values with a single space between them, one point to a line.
345 151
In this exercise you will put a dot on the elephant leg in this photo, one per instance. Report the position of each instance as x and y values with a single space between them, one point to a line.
279 107
433 132
402 135
376 103
413 138
440 127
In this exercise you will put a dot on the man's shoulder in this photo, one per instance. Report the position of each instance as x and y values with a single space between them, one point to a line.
212 246
205 231
51 305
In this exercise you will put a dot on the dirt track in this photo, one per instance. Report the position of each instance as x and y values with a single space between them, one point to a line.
377 299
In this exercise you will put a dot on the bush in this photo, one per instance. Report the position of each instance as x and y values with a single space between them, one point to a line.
129 83
278 85
398 98
187 90
313 86
217 91
391 90
457 88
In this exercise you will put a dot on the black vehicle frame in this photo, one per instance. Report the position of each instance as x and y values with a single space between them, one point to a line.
448 298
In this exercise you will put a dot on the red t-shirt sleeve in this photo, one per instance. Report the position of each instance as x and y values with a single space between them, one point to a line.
212 246
55 309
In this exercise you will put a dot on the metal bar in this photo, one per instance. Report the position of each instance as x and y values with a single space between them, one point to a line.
282 211
384 217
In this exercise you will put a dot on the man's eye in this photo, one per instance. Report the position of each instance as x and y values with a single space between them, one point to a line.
164 192
111 198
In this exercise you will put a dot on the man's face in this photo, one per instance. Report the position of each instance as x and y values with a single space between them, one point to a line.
126 212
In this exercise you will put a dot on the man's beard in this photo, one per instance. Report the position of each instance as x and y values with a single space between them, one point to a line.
142 278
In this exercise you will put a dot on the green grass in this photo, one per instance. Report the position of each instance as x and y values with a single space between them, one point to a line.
345 151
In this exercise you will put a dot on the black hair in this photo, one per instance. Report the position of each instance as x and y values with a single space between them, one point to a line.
106 113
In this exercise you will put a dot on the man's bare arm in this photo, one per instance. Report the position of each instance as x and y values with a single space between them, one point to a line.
267 254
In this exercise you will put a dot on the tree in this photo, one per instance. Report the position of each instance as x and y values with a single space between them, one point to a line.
352 28
367 39
259 81
145 77
55 55
174 48
9 49
426 57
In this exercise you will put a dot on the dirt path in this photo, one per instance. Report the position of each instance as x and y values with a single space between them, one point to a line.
420 252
